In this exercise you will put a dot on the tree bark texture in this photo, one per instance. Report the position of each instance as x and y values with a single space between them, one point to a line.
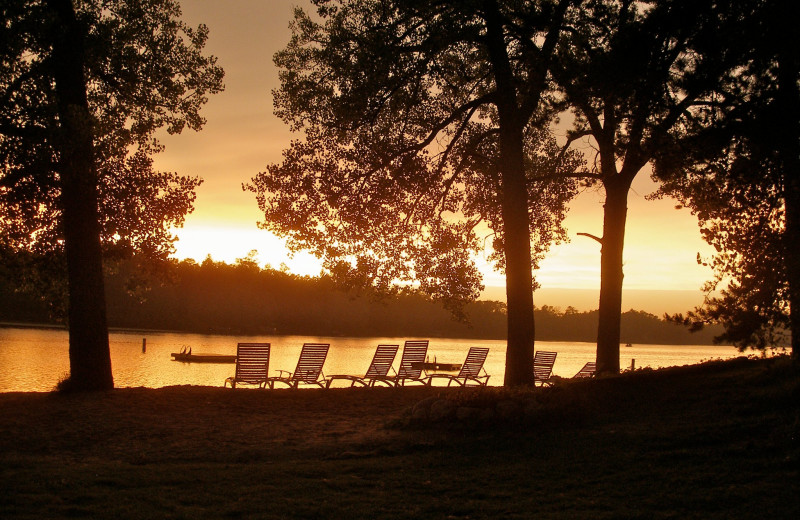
514 201
610 306
519 280
789 149
89 356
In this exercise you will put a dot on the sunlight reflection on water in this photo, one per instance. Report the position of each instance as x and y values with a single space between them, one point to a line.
34 360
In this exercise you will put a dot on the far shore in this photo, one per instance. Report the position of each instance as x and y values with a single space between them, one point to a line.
138 330
716 440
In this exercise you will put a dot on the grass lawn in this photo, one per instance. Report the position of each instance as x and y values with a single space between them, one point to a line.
718 440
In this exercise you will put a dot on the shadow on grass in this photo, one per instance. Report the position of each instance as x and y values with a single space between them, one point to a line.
719 440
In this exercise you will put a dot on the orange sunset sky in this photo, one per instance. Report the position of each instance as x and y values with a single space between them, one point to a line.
242 136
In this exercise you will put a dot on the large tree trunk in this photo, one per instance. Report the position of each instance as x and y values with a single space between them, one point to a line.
789 148
89 357
519 281
615 215
792 256
514 201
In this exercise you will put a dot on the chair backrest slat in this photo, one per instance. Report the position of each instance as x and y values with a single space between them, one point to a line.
252 362
382 361
413 352
587 370
543 362
476 357
309 366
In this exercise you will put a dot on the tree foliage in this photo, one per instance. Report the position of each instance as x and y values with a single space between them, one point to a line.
83 87
144 70
418 126
410 222
741 180
738 198
642 78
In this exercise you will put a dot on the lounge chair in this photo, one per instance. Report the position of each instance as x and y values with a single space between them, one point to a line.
252 365
377 371
410 370
309 368
470 370
543 362
587 371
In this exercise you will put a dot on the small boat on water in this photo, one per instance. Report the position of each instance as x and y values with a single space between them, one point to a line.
186 356
437 366
203 358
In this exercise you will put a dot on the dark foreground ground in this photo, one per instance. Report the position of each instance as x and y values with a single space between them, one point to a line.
719 440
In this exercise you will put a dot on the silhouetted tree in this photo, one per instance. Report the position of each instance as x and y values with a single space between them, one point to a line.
742 180
83 87
633 72
423 120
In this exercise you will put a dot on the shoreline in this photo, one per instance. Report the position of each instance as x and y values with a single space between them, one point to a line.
134 330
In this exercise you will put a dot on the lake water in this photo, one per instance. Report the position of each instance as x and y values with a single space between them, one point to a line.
34 360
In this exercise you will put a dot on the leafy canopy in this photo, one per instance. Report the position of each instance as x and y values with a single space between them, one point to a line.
735 178
145 70
396 179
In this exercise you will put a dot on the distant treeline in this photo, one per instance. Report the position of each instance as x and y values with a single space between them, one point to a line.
242 299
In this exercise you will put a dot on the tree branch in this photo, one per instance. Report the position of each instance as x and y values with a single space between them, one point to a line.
599 240
571 138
